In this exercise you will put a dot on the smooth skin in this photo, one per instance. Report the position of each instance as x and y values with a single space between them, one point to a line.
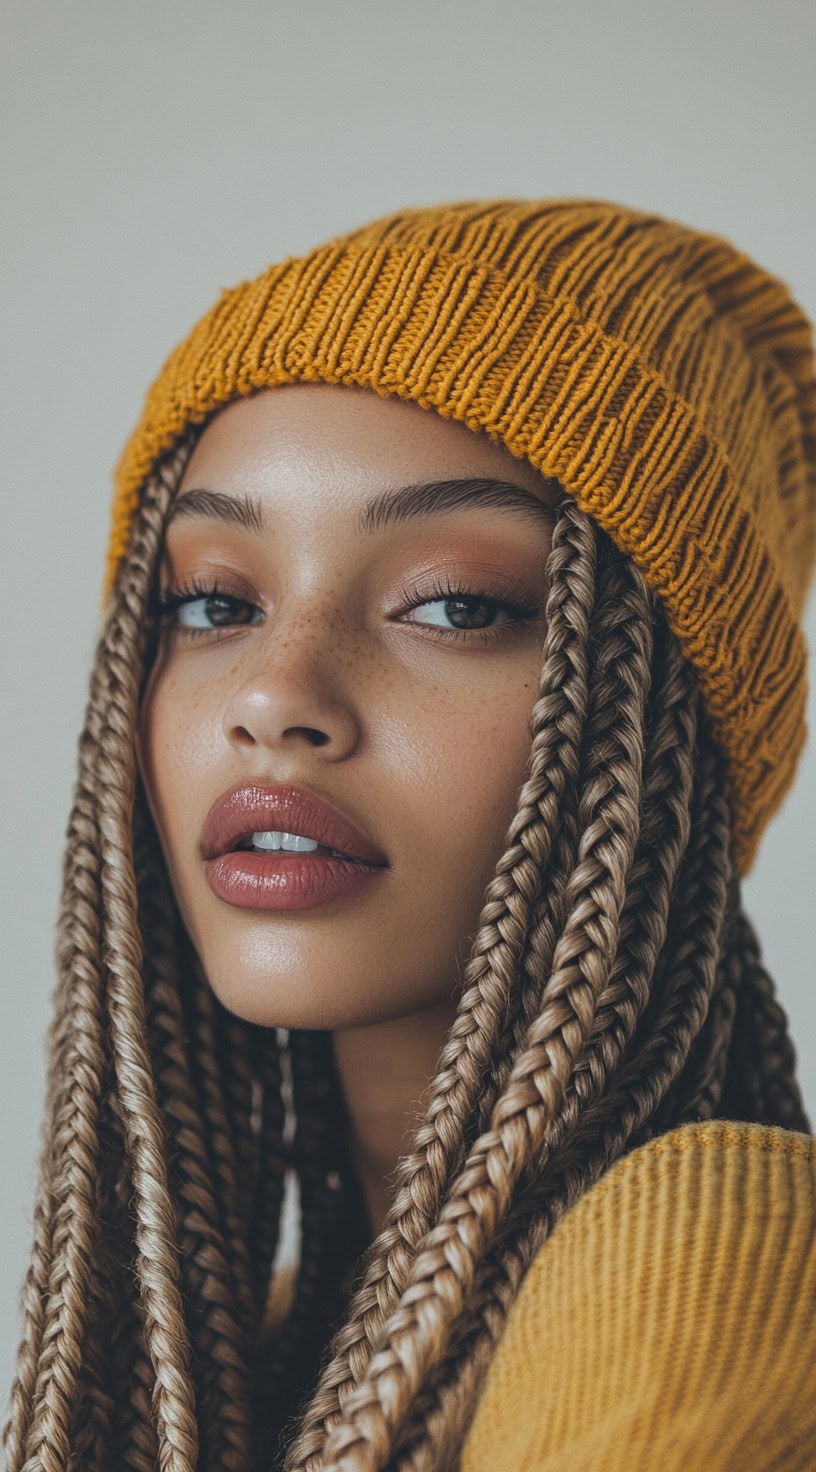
328 660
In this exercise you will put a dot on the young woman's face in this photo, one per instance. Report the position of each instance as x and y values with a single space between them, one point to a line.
340 656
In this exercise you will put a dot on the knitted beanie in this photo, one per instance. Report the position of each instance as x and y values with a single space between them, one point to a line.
659 374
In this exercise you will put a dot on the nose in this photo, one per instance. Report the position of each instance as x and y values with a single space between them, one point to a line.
291 697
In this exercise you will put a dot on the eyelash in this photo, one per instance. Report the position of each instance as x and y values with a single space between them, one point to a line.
165 605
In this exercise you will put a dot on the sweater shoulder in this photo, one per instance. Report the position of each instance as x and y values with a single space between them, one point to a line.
670 1318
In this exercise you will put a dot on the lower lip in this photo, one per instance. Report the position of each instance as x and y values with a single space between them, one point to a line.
282 881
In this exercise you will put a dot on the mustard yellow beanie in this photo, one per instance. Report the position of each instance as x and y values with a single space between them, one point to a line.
659 374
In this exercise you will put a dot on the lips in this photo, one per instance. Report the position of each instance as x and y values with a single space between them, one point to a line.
255 808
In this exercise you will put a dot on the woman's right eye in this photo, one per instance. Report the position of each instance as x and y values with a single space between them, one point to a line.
218 608
200 610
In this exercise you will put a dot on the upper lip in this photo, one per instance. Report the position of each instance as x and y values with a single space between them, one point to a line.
257 807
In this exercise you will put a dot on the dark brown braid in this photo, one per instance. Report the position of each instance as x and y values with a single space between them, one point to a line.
760 1076
614 989
266 1187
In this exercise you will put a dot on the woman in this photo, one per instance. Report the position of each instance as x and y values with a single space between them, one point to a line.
424 755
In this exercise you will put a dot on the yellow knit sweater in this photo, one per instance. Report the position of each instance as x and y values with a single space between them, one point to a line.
669 1322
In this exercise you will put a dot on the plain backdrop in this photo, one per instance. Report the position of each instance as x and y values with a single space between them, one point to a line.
154 153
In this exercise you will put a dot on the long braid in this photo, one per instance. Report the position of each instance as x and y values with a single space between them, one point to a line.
116 1360
202 1022
558 734
697 1090
157 1260
762 1062
685 975
209 1268
90 1420
47 1357
131 1436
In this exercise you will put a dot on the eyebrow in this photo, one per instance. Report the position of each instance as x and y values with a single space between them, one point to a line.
387 508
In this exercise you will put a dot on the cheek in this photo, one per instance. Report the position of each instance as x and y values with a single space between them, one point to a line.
461 767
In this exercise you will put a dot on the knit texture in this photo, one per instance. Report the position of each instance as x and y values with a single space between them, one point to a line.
668 1322
659 374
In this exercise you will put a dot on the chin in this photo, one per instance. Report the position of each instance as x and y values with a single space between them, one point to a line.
319 996
255 1000
320 976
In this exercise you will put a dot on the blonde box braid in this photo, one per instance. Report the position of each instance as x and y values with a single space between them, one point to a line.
133 1050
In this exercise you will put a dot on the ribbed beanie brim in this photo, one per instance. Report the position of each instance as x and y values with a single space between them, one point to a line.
658 373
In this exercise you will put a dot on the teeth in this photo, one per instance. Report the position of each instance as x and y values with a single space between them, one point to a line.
273 841
293 843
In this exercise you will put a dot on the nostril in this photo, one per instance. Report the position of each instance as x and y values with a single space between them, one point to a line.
317 737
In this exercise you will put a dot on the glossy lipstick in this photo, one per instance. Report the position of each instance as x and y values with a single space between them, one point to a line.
277 880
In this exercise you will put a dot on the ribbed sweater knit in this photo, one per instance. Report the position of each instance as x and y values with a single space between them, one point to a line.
668 1322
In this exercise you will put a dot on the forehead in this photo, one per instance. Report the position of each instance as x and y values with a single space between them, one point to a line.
343 442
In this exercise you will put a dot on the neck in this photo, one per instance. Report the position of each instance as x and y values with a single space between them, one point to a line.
384 1070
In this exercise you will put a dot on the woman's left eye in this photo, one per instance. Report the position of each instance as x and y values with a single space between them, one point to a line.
474 614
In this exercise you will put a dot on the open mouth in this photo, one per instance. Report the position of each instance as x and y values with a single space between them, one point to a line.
272 871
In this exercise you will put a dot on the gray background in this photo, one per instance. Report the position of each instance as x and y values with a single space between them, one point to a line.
156 152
